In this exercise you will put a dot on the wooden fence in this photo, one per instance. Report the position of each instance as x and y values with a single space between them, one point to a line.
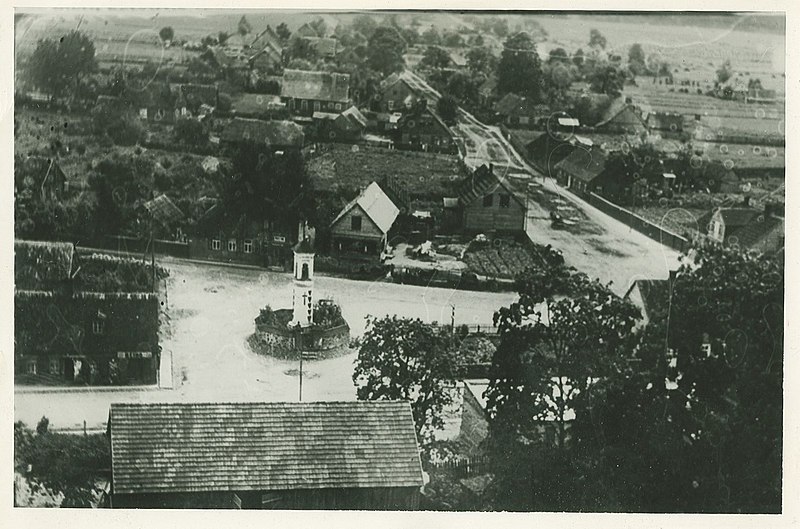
465 467
640 224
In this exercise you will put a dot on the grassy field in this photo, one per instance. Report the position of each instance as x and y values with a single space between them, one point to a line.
421 174
696 52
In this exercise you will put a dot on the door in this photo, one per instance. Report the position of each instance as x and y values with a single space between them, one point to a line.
69 369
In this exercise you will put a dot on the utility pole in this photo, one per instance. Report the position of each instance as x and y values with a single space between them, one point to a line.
301 376
452 318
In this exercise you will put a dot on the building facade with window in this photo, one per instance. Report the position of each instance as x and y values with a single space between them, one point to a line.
363 225
490 205
305 92
396 95
69 330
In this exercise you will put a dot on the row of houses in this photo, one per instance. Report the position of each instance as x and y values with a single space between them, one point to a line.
69 328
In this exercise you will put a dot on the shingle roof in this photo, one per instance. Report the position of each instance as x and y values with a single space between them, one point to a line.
376 205
738 217
622 116
38 264
583 164
182 447
271 133
753 234
321 86
482 181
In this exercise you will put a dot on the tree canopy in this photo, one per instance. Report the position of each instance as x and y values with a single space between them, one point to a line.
167 33
596 39
58 66
385 50
407 359
435 57
519 70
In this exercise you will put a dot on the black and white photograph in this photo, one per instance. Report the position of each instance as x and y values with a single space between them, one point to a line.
404 259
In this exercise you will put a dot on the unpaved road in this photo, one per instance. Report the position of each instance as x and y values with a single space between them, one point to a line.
212 310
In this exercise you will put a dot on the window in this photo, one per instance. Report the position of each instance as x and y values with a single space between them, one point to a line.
338 106
390 104
232 245
304 105
355 223
55 366
488 201
316 106
216 244
30 367
505 201
98 326
248 246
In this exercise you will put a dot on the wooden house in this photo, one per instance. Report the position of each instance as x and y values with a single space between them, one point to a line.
490 205
747 227
421 129
306 30
622 118
38 178
517 111
583 170
68 328
665 123
305 92
348 125
265 52
396 94
363 225
359 455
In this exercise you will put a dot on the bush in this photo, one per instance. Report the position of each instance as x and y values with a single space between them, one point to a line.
191 132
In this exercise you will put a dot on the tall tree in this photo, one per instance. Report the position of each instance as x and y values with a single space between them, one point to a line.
283 32
481 60
724 72
167 33
563 335
405 359
596 39
607 79
244 28
435 57
57 67
385 50
637 62
520 70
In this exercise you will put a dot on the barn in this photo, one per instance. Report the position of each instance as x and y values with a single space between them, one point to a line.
264 455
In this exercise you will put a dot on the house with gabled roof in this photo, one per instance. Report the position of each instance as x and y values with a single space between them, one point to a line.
490 205
747 227
37 177
582 170
305 92
347 125
421 129
359 455
622 117
363 225
396 94
518 111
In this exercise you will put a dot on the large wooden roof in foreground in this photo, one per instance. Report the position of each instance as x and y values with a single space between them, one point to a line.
201 447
